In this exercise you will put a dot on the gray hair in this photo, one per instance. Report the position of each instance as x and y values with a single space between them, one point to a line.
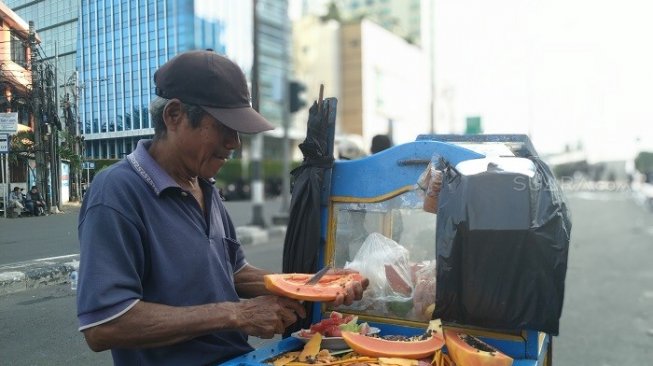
158 105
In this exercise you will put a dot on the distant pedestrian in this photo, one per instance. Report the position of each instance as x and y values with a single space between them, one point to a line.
36 202
16 200
380 143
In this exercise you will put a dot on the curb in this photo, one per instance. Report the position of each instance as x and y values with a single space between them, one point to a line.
21 276
254 235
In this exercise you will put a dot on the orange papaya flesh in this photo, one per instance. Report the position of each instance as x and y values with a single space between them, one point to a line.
468 350
379 347
293 285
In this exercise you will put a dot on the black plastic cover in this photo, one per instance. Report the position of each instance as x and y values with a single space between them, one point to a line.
303 235
502 247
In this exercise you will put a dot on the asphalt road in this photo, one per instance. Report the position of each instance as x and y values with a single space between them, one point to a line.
39 327
29 238
607 316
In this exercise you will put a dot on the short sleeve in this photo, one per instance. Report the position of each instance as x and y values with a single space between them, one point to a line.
111 266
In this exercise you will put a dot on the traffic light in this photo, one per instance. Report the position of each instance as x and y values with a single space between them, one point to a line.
297 100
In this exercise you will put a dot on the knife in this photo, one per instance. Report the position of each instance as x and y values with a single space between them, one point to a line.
316 277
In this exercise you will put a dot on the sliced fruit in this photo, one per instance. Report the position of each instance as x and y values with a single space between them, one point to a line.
468 350
428 312
396 361
293 285
400 284
311 349
379 347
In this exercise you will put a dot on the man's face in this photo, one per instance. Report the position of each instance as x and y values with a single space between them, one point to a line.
207 148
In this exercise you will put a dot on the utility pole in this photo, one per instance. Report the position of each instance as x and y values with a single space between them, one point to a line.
285 195
282 217
56 158
37 91
257 140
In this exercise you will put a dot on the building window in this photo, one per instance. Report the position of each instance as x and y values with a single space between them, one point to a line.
18 51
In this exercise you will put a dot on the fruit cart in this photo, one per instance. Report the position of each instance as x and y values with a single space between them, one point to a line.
373 221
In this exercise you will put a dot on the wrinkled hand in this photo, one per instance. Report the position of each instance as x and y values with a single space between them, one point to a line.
353 290
265 316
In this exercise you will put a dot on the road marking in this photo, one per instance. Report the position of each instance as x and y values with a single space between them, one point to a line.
55 258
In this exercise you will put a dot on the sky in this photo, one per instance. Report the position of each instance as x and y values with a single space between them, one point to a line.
575 73
567 72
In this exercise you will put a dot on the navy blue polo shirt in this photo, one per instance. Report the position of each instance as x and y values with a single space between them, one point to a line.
143 237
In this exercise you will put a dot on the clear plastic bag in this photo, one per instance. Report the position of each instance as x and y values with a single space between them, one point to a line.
385 263
430 181
424 293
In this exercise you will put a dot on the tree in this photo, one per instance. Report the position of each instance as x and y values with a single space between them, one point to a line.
22 143
67 150
333 13
644 162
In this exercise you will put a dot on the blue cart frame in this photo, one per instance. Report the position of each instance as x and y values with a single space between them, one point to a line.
388 174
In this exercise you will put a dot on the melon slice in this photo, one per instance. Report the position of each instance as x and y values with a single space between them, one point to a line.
379 347
468 350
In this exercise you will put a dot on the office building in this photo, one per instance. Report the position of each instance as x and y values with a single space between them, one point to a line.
122 43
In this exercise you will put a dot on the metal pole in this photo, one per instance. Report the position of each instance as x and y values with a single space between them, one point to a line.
285 190
257 140
41 168
56 157
5 172
78 147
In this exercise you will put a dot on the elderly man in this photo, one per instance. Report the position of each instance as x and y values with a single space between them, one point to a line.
162 278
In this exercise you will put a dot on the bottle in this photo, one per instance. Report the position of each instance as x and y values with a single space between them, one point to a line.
73 280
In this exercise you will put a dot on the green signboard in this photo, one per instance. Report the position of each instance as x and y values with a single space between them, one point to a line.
474 126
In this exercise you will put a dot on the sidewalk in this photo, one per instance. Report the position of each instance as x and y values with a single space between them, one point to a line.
23 275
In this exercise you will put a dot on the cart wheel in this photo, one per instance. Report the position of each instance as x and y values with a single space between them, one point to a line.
548 359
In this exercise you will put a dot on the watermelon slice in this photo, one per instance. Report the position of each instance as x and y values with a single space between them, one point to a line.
396 280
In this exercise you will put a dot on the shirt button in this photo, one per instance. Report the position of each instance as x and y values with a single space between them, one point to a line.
184 194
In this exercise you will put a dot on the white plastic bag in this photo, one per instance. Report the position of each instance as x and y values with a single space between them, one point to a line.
379 258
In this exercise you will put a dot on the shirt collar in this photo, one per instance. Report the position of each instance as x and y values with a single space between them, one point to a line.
148 169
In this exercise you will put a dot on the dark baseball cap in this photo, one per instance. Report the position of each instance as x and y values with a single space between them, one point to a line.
213 82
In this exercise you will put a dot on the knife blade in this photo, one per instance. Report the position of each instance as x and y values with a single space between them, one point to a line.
316 277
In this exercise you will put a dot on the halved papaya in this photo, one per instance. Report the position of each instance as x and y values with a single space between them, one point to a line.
468 350
293 285
379 347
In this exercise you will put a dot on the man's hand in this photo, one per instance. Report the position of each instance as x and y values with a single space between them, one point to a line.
353 290
265 316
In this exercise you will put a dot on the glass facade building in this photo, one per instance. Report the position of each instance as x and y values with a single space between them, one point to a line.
109 50
121 45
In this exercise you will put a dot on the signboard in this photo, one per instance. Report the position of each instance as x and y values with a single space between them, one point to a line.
88 165
474 126
4 143
8 122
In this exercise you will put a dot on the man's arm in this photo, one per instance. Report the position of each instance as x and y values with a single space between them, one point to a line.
153 325
249 282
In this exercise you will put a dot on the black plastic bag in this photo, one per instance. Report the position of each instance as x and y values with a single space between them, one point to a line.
502 248
302 242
